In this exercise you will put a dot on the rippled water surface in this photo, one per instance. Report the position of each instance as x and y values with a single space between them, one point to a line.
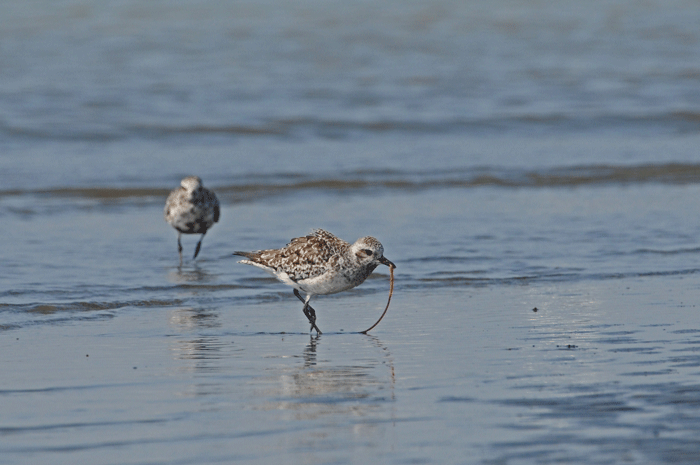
531 168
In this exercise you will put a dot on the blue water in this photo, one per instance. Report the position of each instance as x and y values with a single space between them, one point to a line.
510 156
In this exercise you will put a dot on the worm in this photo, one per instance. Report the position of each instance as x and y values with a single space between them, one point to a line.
391 291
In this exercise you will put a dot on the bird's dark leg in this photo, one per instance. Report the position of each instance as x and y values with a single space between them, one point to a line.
311 315
179 246
199 246
308 311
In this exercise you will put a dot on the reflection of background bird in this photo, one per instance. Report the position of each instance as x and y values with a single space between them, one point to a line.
191 209
320 264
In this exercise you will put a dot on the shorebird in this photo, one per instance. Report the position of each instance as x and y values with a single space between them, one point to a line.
191 209
320 264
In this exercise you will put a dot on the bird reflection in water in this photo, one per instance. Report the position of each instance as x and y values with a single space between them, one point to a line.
338 375
362 383
193 274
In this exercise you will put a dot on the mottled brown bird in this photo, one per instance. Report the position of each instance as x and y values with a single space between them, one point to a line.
320 264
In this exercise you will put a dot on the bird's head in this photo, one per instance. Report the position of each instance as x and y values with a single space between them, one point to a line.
369 252
191 183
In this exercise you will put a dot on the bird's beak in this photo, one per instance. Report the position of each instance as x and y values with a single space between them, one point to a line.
387 262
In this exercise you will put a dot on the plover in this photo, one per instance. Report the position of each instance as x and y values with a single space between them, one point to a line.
191 209
320 264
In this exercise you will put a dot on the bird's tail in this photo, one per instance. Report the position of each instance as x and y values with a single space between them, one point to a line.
254 256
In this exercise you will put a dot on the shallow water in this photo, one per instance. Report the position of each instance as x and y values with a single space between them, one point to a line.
509 158
603 372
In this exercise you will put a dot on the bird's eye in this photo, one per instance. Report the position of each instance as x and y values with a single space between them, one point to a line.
367 251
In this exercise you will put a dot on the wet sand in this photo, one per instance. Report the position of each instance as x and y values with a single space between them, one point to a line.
602 372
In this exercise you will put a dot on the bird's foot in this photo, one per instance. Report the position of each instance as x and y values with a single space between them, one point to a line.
311 316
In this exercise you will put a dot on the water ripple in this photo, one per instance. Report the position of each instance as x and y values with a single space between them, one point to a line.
357 181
